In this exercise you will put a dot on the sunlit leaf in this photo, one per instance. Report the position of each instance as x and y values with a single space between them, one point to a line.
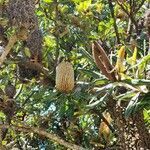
86 54
120 58
83 6
48 1
100 101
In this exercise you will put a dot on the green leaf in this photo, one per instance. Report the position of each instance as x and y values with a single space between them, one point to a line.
2 115
116 84
90 73
125 96
83 6
49 41
100 101
77 1
100 82
132 105
138 81
142 63
86 54
146 114
48 1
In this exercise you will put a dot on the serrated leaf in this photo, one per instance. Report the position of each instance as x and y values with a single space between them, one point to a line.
90 73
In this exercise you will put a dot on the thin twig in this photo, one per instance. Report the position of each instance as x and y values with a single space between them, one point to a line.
129 30
129 15
114 18
19 91
41 132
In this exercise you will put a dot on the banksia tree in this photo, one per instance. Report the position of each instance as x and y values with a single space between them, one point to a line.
65 113
64 77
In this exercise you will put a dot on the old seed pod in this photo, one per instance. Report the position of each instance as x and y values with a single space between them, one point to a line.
21 13
147 21
27 73
147 18
10 90
64 77
34 43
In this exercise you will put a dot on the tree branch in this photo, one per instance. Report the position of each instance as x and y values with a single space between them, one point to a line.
12 41
41 132
22 34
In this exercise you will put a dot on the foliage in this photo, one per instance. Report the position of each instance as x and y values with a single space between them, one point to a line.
66 31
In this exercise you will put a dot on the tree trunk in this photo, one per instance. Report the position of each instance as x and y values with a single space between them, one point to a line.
131 132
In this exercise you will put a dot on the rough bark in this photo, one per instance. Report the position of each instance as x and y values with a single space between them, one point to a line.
132 132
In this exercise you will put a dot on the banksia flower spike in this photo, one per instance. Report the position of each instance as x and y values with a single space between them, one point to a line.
120 58
64 77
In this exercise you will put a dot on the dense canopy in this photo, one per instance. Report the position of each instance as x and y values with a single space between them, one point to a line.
74 74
